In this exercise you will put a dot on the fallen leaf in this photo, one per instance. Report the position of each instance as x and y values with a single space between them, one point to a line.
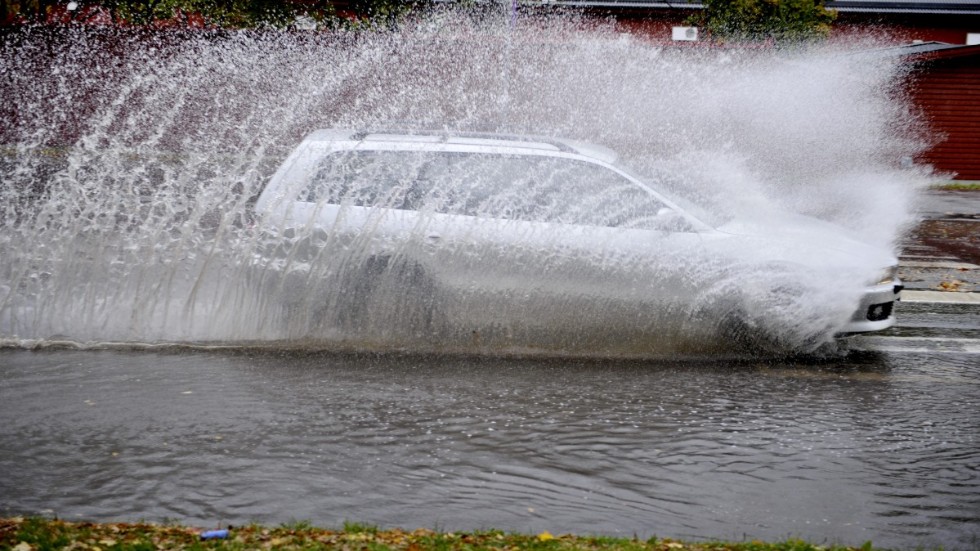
950 285
545 536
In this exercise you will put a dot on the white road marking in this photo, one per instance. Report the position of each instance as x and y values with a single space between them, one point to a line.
930 345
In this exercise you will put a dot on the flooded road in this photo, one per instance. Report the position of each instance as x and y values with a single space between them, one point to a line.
883 445
125 143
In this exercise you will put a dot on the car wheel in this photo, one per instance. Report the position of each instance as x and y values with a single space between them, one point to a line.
388 297
776 322
744 319
357 294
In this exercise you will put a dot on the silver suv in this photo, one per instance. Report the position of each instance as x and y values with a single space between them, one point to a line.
514 244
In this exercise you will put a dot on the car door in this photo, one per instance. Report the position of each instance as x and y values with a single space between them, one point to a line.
534 246
518 248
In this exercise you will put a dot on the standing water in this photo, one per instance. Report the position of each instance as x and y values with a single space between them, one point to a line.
130 160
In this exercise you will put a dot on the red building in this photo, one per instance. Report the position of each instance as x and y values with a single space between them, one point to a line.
905 22
945 84
899 22
940 39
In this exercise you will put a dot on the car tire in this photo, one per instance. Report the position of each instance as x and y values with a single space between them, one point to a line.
388 296
357 293
738 319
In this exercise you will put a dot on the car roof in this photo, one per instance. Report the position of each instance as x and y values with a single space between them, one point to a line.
488 139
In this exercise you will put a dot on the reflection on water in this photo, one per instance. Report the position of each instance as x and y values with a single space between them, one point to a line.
882 448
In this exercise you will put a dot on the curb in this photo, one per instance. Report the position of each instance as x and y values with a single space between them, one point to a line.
941 296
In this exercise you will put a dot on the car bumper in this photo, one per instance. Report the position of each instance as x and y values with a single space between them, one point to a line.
876 310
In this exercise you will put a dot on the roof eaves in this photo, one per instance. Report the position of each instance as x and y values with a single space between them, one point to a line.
872 6
909 11
848 6
953 51
926 51
650 4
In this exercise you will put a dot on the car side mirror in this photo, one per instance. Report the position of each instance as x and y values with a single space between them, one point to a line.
670 220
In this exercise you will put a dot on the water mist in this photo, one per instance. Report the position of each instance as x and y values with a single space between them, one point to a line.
129 160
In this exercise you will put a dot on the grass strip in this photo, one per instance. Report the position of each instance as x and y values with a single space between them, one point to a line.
958 186
34 534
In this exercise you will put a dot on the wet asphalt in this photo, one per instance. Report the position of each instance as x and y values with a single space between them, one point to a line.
880 445
943 252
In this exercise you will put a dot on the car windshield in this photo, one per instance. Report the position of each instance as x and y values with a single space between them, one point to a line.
708 206
518 187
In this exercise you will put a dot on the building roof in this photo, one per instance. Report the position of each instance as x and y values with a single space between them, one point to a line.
651 4
963 7
891 6
929 51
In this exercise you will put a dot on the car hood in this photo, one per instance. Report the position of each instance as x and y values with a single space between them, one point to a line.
809 241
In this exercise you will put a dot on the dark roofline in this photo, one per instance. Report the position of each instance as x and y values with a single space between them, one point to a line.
952 51
950 8
845 6
921 52
648 4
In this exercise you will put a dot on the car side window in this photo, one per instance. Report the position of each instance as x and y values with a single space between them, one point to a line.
367 179
546 189
516 187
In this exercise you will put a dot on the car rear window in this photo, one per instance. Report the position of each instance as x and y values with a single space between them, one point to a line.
517 187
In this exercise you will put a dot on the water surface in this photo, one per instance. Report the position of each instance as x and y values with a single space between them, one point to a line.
875 447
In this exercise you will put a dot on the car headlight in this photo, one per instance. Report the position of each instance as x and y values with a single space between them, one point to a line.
886 276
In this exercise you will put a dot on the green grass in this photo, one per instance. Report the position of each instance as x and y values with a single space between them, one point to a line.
297 526
958 186
38 534
359 528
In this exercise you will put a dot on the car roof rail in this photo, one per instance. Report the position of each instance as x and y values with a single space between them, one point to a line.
447 135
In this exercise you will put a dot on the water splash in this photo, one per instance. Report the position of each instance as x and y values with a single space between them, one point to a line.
129 160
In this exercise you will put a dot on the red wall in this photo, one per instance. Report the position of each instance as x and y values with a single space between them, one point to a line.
948 92
655 24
